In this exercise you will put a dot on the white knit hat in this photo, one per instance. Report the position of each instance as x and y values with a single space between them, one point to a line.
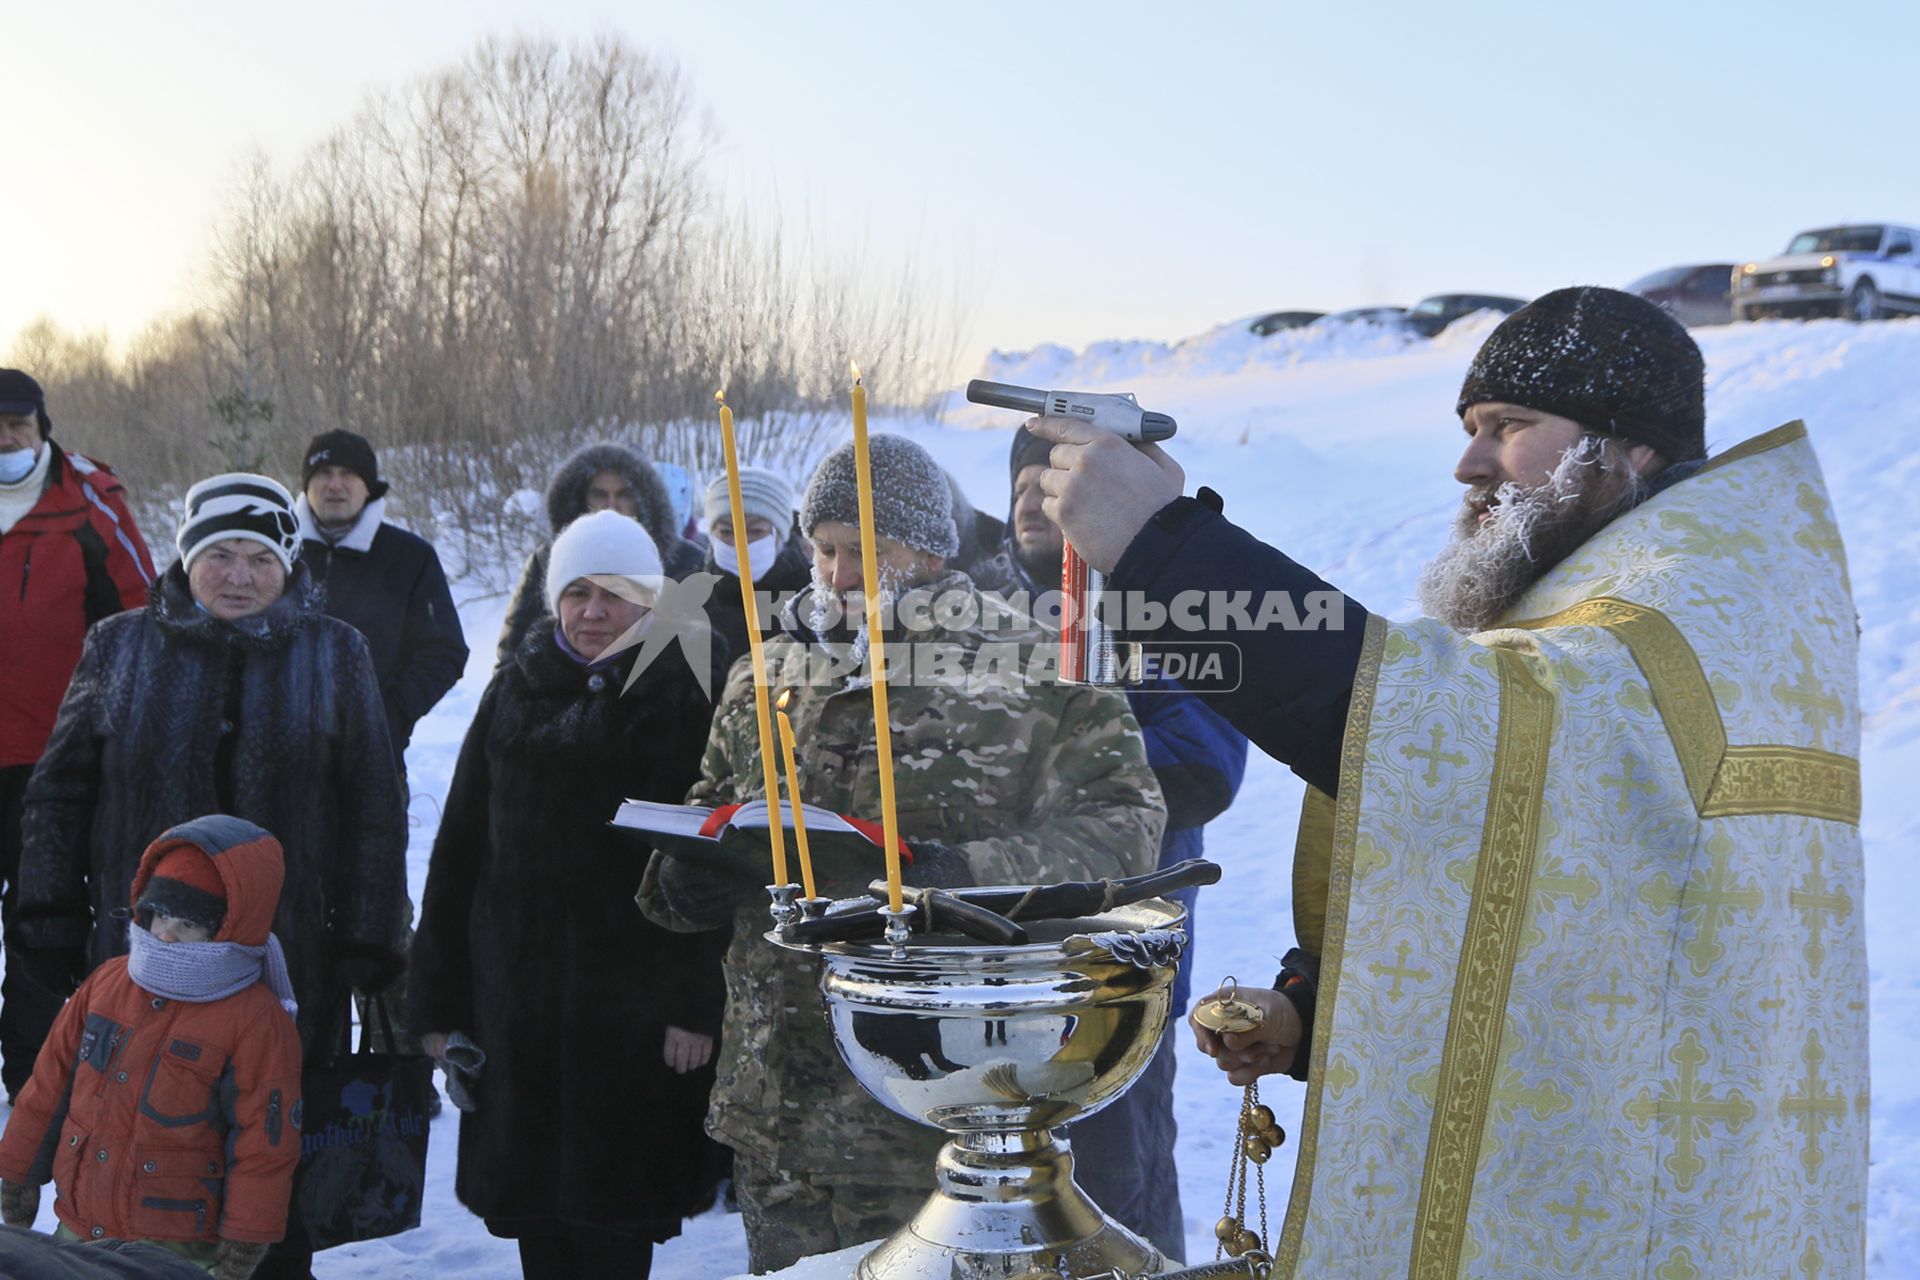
239 505
762 493
604 544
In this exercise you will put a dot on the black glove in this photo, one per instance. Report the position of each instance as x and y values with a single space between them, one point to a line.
937 866
370 970
19 1203
57 971
1299 981
703 894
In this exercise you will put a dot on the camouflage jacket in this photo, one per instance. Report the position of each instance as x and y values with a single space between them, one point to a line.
1031 782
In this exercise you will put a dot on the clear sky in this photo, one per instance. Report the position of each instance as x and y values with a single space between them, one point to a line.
1086 170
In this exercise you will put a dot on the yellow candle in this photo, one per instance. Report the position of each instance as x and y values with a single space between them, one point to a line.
769 775
793 798
876 642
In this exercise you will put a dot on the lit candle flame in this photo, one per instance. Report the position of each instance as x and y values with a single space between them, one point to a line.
720 396
855 370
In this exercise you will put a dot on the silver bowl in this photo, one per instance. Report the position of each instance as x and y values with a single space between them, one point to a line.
1000 1046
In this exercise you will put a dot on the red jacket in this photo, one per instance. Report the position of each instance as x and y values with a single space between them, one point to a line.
71 561
163 1119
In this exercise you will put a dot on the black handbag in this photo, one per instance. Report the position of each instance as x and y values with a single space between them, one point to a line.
363 1140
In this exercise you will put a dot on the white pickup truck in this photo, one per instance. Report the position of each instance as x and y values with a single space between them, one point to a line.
1861 271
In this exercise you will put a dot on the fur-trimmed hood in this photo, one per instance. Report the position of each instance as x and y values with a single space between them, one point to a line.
567 491
249 860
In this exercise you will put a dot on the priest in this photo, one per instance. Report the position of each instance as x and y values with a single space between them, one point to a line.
1580 977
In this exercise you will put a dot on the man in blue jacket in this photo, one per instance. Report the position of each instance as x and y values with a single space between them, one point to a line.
1123 1156
380 579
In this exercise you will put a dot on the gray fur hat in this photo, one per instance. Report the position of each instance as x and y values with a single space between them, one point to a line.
567 492
912 502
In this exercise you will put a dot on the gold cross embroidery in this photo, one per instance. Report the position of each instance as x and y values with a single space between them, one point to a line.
1707 901
1815 900
1813 1109
1398 971
1372 1186
1686 1111
1433 755
1805 693
1612 999
1577 1211
1775 1003
1820 532
1550 883
1627 783
1701 600
1699 538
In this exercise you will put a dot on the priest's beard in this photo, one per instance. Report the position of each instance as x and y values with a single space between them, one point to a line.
1486 567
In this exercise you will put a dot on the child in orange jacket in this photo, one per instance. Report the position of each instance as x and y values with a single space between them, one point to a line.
166 1103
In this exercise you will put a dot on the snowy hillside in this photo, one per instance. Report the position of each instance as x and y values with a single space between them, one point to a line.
1339 447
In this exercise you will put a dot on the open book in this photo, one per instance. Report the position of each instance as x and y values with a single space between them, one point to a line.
676 829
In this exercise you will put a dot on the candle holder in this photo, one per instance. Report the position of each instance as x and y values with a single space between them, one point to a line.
1000 1046
814 908
898 929
784 908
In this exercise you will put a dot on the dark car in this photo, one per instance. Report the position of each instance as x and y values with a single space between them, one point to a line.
1274 321
1695 295
1430 315
1391 318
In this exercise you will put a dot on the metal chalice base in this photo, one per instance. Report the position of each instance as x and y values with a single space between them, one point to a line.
999 1046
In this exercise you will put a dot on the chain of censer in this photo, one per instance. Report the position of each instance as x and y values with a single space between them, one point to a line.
1233 1213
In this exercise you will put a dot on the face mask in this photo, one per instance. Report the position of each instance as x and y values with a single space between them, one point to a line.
17 464
761 553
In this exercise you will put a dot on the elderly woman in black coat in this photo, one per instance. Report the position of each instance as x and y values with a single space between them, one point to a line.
585 1142
228 693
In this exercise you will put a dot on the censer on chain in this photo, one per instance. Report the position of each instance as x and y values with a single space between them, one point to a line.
1258 1135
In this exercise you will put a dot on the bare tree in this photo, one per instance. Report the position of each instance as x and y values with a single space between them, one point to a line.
486 266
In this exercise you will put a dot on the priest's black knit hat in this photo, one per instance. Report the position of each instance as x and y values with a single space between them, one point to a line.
912 503
1613 362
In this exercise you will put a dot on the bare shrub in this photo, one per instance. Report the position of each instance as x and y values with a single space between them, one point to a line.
480 270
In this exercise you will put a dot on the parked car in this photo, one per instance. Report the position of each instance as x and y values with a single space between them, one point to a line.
1394 318
1274 321
1861 271
1695 295
1431 315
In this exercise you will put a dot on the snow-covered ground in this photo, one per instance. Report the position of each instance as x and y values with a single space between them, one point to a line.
1339 447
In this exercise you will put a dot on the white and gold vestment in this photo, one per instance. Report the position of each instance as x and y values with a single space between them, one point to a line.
1593 988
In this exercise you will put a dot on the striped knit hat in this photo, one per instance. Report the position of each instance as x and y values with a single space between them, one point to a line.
762 493
239 505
